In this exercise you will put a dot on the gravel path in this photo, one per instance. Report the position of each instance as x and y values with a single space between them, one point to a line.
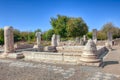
26 70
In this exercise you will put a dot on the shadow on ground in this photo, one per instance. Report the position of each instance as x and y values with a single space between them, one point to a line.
105 63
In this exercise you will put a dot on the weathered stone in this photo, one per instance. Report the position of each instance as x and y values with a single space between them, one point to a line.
23 45
109 35
95 36
9 41
54 40
84 39
109 43
38 35
58 40
50 49
108 46
81 42
90 53
39 47
77 40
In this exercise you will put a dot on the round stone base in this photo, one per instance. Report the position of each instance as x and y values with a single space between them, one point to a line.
88 60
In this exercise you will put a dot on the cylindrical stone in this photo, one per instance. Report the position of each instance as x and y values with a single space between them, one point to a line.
8 39
53 40
94 36
38 35
109 35
58 40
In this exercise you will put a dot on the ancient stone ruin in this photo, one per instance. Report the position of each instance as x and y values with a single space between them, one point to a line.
54 40
81 54
9 41
109 42
94 35
89 54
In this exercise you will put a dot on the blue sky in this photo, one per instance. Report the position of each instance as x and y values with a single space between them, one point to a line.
29 15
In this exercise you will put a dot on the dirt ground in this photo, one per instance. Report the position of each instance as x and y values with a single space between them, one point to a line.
11 69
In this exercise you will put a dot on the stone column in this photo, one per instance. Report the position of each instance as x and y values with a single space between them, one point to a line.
54 40
109 35
85 39
8 39
81 41
94 35
89 55
38 46
38 35
109 44
58 40
77 40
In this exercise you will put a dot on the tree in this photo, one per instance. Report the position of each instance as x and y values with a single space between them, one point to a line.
24 36
89 35
16 35
59 25
37 30
76 27
101 35
1 36
110 27
68 26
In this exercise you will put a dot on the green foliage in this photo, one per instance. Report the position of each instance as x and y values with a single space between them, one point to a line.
59 25
27 36
68 26
31 37
48 34
76 27
1 36
16 35
89 35
37 30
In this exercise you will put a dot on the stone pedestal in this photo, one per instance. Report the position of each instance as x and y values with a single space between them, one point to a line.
89 55
50 49
39 48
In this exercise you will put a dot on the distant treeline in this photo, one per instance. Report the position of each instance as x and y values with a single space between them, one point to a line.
67 28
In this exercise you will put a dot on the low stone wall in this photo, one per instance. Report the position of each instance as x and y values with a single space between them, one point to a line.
68 43
54 56
38 56
23 46
71 49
